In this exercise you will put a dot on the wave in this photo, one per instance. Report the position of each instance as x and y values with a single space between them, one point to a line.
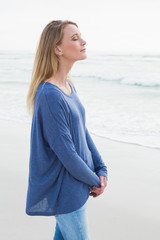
93 57
128 80
8 82
141 81
97 77
127 141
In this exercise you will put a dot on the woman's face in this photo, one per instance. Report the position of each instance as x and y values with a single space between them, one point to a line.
72 46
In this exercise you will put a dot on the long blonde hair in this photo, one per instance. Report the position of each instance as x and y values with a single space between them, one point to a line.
46 62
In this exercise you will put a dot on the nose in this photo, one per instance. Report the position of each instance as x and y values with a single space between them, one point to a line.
83 42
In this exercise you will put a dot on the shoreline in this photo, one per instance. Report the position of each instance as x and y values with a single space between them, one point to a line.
120 141
128 209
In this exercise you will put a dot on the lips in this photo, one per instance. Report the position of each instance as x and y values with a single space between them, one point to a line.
83 50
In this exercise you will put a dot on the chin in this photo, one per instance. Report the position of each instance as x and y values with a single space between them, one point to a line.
83 57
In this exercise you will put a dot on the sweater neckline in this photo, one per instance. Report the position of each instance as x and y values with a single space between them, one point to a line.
68 95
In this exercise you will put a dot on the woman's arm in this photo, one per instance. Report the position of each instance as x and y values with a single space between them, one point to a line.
100 167
57 133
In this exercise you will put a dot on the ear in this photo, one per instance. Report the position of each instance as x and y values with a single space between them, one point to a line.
58 51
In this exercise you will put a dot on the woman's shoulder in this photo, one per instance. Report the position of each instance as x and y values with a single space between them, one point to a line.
51 91
48 94
52 95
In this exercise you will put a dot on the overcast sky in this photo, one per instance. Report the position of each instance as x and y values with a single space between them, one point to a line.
114 26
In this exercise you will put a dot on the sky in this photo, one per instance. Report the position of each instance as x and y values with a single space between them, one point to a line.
112 26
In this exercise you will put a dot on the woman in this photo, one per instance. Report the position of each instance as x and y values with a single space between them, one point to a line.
65 166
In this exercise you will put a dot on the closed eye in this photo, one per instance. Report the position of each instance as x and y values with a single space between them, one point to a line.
77 35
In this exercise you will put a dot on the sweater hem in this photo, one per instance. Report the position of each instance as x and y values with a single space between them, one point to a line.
52 213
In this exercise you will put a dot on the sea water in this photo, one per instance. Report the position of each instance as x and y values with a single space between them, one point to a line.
121 93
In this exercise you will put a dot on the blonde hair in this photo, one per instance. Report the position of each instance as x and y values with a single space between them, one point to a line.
46 62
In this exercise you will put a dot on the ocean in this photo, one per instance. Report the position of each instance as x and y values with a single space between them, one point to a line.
121 93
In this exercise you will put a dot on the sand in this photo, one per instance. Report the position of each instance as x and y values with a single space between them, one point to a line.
128 209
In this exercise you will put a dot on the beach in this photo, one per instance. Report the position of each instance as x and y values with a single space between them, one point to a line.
128 209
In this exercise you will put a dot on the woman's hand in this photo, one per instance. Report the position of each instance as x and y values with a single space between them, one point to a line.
95 191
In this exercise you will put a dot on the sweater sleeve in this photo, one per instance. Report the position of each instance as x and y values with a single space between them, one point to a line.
58 136
100 168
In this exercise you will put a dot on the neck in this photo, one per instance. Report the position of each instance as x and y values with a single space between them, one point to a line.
62 72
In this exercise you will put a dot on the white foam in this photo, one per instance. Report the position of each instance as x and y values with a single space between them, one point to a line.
142 81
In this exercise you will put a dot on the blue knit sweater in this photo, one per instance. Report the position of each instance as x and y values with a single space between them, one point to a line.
64 161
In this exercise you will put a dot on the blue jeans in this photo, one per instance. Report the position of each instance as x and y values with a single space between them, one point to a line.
72 226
